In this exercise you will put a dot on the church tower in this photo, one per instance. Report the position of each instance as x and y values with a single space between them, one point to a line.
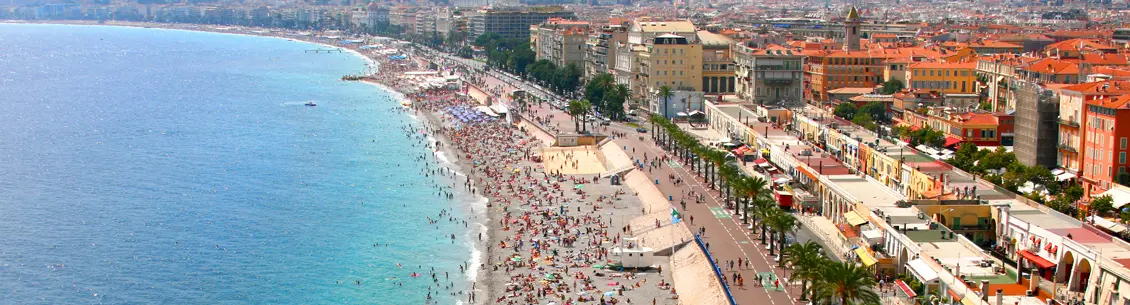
851 30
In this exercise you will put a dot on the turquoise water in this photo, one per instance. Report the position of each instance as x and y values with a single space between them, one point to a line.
144 166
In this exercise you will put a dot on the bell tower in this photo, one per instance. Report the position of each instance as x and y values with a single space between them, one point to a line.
851 30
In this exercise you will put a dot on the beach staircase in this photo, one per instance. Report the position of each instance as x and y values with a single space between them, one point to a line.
617 171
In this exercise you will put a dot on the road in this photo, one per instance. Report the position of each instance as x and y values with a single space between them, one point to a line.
727 238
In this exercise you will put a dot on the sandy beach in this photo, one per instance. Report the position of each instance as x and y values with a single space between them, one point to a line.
548 223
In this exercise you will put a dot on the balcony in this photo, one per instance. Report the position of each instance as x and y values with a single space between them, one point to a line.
1067 148
1071 123
778 81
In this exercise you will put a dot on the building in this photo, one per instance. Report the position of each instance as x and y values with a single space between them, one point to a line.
514 22
672 61
1107 143
769 75
1037 127
1054 70
989 47
561 41
643 32
1073 120
851 30
603 50
948 78
680 101
1000 71
718 76
978 128
376 14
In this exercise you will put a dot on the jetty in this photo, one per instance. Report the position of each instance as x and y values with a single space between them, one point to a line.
338 50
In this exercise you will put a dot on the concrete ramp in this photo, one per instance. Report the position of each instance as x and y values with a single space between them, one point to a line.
694 279
615 157
653 200
665 237
645 223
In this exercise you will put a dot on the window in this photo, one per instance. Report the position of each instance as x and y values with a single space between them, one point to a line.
1122 157
1122 143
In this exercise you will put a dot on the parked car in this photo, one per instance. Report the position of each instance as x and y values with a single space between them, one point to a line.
641 130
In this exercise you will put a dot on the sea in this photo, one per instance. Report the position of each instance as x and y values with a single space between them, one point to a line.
150 166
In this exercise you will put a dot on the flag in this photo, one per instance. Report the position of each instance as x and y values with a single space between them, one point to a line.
674 216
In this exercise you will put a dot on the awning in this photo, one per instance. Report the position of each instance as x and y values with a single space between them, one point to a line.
854 219
970 299
1064 177
865 257
760 161
741 150
922 271
1036 259
807 173
1119 196
951 141
1106 224
905 289
953 294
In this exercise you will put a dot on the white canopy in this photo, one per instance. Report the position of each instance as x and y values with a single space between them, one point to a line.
1107 224
499 108
922 271
486 110
1064 177
1120 196
781 180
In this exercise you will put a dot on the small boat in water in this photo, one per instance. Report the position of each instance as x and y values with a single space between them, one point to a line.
311 104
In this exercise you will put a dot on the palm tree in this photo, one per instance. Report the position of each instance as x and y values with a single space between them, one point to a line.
752 187
844 283
763 207
587 106
781 223
577 111
666 93
807 259
729 175
622 93
716 158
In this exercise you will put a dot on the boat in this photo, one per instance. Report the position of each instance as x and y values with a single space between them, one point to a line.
311 104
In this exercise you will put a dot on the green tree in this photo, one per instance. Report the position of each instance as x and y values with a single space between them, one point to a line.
1101 205
845 283
876 110
845 110
666 93
1074 192
781 223
750 187
863 120
964 157
807 260
577 110
892 86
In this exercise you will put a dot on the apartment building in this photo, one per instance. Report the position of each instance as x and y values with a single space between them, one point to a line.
948 78
769 75
602 50
561 41
718 76
1106 143
673 61
1073 120
979 128
644 32
514 22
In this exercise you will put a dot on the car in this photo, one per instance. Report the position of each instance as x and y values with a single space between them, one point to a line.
641 130
605 122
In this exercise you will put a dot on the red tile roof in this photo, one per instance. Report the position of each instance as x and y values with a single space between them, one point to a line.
1053 66
1114 102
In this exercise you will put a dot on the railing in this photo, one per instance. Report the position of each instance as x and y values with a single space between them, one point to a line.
717 272
1067 147
1069 123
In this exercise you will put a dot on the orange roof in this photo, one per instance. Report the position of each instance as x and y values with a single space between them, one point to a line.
1114 102
1104 87
1081 33
1116 72
943 65
992 44
1078 44
977 118
1103 59
1053 66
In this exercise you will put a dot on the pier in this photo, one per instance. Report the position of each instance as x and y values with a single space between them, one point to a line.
338 50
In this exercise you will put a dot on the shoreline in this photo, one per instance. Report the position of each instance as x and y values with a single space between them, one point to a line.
429 120
487 199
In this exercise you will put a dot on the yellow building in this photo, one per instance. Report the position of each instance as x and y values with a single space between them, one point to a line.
718 75
672 61
951 78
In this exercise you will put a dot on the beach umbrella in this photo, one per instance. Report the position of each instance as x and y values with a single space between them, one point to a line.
579 186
